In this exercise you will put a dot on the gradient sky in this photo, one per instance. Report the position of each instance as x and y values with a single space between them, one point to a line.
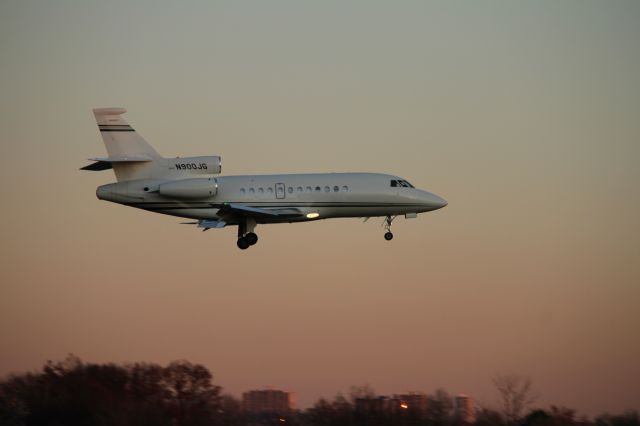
524 116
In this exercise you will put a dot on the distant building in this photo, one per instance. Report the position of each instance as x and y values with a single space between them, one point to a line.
413 402
373 405
271 401
465 412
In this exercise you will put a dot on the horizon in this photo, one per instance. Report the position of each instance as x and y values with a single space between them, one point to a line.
360 391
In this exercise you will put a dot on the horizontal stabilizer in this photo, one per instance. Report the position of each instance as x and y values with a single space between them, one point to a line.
98 166
105 163
128 159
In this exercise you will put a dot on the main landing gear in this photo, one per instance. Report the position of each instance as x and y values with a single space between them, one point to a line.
246 239
387 225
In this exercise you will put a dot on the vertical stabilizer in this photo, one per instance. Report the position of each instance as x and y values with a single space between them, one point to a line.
125 146
120 139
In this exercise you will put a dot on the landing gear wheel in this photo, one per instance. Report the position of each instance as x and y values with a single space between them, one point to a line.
387 225
243 244
251 238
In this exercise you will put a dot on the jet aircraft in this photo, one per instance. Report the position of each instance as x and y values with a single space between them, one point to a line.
190 187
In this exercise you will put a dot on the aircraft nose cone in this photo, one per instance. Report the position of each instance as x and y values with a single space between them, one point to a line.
439 201
433 201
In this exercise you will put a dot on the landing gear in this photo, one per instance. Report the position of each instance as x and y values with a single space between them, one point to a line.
251 238
246 239
243 244
387 225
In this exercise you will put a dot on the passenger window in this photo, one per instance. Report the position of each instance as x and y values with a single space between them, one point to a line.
260 191
327 189
318 189
290 190
269 190
308 189
394 183
345 188
336 188
299 189
242 191
252 191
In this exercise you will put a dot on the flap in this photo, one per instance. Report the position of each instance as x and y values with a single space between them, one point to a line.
243 210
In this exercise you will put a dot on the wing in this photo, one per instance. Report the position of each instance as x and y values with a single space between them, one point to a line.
241 210
268 212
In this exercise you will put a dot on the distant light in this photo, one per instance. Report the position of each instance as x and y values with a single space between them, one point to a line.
404 405
312 215
282 420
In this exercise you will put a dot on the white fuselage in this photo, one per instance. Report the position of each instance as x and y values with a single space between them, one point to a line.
190 187
319 196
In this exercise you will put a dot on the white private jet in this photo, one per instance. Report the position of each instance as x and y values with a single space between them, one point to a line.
186 187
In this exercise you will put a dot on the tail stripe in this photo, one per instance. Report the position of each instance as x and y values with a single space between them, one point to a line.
128 153
115 128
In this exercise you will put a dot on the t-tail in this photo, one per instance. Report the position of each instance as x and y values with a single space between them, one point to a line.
133 158
129 155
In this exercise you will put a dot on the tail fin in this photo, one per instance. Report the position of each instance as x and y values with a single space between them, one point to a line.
119 137
129 154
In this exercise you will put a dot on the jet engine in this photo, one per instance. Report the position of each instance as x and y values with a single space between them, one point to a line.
208 165
189 188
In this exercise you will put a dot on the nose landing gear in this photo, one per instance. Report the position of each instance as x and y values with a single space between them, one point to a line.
387 225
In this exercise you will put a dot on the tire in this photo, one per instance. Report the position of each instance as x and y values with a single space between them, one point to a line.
388 236
251 238
243 244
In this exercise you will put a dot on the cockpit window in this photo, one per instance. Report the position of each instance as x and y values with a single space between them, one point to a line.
400 183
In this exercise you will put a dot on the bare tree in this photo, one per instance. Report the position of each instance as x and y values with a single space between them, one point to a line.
365 391
439 408
516 395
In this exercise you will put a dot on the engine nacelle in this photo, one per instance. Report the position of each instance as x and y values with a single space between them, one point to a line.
189 188
207 165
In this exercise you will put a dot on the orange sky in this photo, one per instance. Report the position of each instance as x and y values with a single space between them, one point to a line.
523 116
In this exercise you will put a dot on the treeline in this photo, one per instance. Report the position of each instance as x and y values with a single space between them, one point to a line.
440 411
70 393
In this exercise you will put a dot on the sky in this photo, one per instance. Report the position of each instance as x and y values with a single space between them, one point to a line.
525 116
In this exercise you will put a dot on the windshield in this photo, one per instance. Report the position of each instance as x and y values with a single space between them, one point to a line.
400 183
